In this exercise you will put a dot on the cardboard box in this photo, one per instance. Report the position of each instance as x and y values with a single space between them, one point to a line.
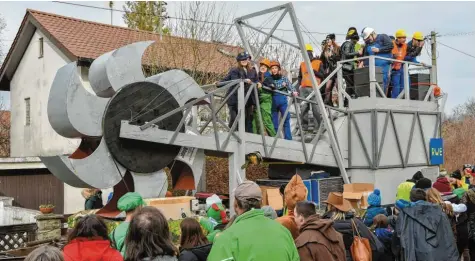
357 194
173 207
271 197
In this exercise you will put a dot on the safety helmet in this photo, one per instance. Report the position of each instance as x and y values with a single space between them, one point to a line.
243 56
418 36
309 47
367 31
400 33
352 34
265 62
274 63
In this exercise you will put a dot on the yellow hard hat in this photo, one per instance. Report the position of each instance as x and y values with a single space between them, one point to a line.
309 47
418 36
400 33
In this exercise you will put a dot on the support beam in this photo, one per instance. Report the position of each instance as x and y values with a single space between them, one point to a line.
263 12
275 37
320 104
269 35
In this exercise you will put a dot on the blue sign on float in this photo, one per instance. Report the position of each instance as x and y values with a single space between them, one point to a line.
436 150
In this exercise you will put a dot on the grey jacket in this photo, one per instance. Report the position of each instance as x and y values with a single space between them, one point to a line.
425 234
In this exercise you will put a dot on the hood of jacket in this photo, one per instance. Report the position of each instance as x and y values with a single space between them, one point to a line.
92 250
426 214
323 227
200 252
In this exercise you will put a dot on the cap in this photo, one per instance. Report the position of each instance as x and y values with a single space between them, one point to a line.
248 190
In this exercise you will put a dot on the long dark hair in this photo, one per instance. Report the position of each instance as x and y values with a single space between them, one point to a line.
148 236
191 234
90 226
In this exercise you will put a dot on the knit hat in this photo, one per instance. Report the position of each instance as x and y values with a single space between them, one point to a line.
417 176
130 201
269 212
459 192
456 175
424 183
374 199
218 213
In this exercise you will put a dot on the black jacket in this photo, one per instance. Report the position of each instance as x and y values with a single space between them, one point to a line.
345 228
425 234
348 52
195 254
413 51
238 73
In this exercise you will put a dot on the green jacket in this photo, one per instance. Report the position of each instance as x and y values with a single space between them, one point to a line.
118 236
253 237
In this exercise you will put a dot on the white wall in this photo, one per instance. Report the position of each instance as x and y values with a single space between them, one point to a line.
33 79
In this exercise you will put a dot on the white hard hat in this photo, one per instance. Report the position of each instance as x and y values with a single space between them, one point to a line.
367 31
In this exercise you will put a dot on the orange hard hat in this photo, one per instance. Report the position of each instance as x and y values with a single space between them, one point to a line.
265 62
274 63
437 91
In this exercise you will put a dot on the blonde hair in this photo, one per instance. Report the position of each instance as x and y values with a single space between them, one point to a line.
433 196
45 253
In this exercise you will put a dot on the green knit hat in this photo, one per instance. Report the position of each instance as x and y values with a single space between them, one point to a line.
218 213
459 192
130 201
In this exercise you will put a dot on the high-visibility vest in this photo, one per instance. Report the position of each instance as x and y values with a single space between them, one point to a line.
399 54
306 80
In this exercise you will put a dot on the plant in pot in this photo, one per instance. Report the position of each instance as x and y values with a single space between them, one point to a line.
46 209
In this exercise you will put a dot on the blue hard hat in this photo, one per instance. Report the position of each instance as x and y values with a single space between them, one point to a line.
243 56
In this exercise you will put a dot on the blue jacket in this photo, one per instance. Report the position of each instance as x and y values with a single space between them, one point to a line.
385 46
371 212
278 84
238 73
412 53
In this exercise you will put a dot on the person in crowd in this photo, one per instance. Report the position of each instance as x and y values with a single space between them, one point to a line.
467 173
338 210
93 198
279 101
374 208
149 237
194 246
252 236
379 45
433 196
461 225
45 253
295 191
246 72
469 200
88 241
306 88
318 240
458 182
269 212
424 184
424 218
384 231
442 184
348 51
397 73
216 220
127 203
414 47
329 57
265 100
404 189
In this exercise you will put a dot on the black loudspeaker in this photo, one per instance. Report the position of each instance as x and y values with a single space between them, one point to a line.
362 84
420 84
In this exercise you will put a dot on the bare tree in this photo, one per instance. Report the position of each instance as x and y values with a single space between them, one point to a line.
3 25
4 131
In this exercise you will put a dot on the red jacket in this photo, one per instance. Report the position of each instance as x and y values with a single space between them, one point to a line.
442 185
83 249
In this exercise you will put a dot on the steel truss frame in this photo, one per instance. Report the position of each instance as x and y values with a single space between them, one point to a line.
289 9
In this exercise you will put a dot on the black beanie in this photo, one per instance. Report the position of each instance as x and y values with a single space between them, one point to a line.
352 32
424 183
417 176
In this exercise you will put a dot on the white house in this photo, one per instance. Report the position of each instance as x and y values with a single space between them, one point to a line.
44 43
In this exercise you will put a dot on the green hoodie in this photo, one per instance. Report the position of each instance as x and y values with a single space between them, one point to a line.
254 237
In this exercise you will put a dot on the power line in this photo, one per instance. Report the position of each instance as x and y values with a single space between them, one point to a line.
457 34
180 18
457 50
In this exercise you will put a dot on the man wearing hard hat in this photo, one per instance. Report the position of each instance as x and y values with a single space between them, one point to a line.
399 53
378 45
305 83
414 47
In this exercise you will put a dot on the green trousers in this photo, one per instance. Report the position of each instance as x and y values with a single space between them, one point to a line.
266 106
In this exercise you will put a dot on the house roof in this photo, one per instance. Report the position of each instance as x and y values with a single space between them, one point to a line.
81 39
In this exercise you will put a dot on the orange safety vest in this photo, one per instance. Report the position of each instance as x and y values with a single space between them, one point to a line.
399 54
306 80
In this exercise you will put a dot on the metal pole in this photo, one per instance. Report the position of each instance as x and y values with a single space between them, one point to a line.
326 121
372 77
269 35
340 88
245 42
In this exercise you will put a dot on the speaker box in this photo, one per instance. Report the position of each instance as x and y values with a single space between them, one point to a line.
420 84
362 84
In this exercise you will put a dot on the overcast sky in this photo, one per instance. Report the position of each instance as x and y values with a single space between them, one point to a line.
456 71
